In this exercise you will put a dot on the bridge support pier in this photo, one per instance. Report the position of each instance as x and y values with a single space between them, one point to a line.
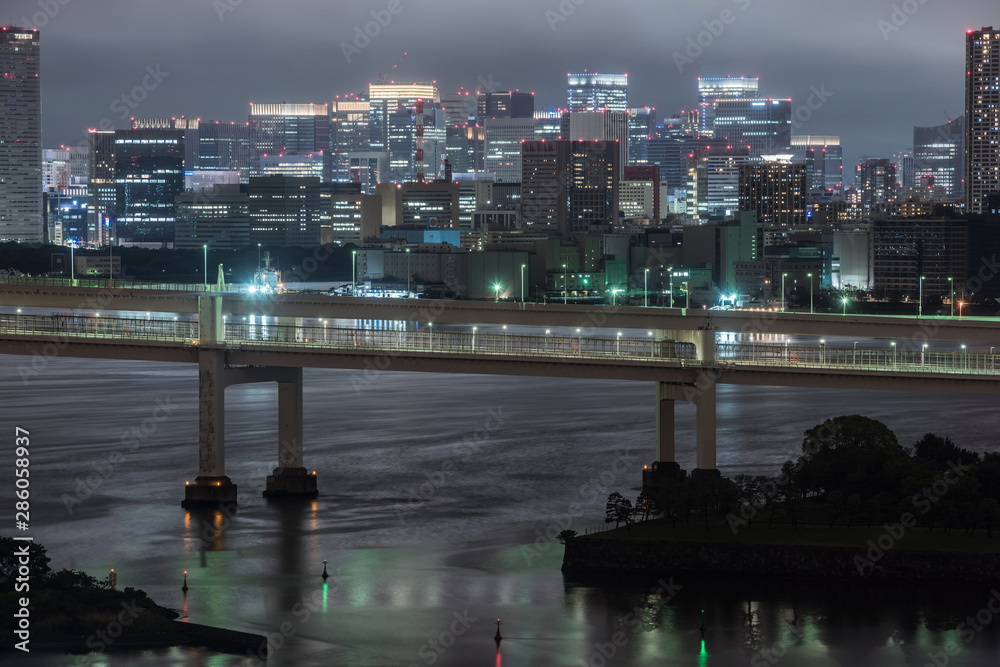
212 487
290 479
702 396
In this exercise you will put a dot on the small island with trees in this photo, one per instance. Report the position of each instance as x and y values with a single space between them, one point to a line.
856 504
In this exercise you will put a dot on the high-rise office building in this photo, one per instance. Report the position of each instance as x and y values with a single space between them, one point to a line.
459 108
714 89
101 186
288 211
385 98
765 126
544 184
939 152
190 127
569 186
405 126
219 218
510 104
596 170
982 117
502 151
875 179
713 185
593 93
905 172
293 164
20 136
610 126
225 147
824 160
149 174
548 125
641 128
298 128
775 190
349 133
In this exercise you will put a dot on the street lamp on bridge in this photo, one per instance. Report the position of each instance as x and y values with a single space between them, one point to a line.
783 276
920 298
522 285
845 300
645 289
811 310
951 291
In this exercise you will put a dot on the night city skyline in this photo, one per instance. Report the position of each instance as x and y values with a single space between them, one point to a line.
885 70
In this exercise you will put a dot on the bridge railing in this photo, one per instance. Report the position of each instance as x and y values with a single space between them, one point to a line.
100 283
924 361
457 342
79 326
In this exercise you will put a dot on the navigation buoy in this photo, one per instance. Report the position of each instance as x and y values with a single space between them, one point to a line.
498 636
325 574
185 586
703 627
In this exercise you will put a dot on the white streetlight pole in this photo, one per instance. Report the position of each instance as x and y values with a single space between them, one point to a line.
811 310
206 266
920 298
783 276
408 272
354 273
645 289
951 299
564 285
522 285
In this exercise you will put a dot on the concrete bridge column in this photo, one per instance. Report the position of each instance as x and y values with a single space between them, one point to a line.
704 403
211 330
665 466
290 479
211 488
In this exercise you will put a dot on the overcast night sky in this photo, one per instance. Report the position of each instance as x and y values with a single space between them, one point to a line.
883 82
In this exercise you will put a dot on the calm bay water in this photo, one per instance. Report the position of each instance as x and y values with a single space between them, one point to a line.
429 540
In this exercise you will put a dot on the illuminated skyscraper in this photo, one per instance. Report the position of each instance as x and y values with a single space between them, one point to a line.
592 92
763 125
713 89
982 116
824 160
20 136
510 104
298 128
939 152
876 182
101 186
775 190
149 174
